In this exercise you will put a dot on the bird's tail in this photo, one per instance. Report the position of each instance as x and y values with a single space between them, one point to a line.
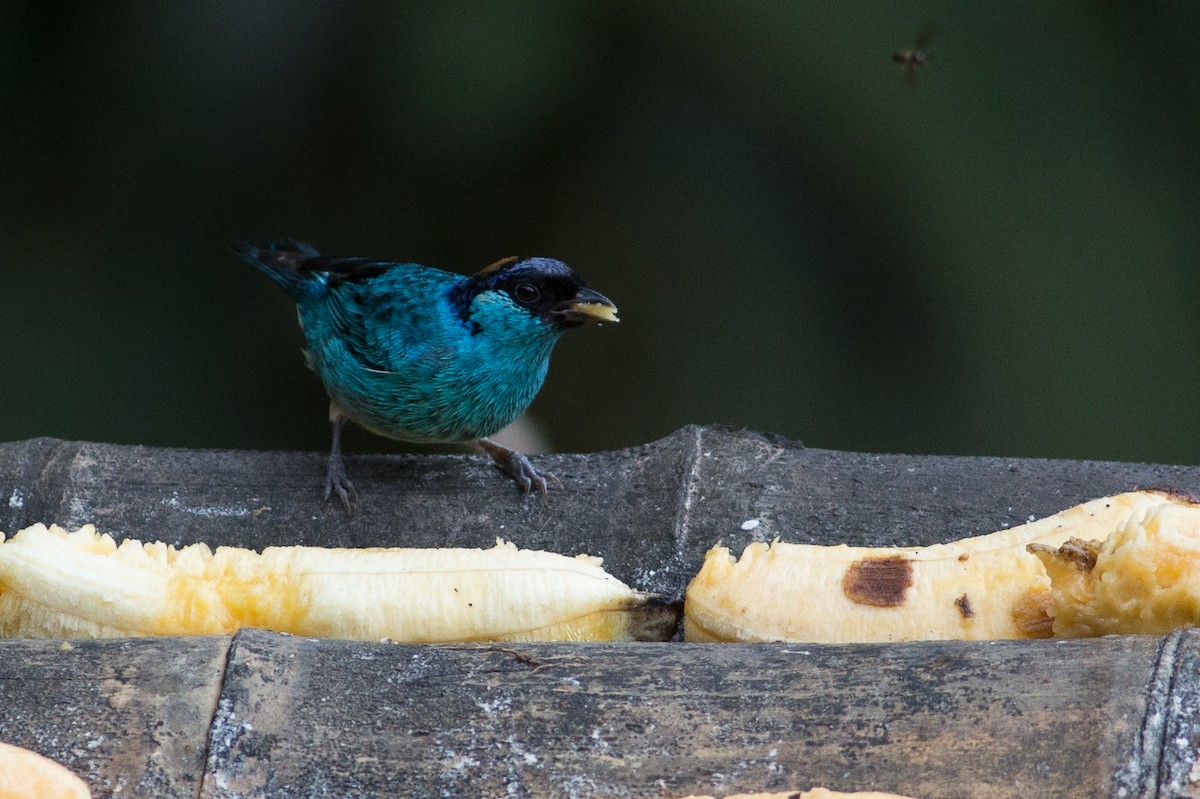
283 262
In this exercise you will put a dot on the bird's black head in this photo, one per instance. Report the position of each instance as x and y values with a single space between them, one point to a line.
547 289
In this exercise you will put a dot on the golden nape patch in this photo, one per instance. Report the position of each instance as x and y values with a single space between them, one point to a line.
497 266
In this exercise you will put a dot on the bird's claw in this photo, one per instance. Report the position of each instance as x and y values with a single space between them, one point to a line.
528 477
338 482
519 468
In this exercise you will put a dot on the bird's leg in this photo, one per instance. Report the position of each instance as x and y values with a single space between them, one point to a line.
516 465
336 479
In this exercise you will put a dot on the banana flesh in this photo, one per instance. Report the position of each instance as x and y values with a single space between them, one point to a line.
55 583
27 775
985 587
1143 579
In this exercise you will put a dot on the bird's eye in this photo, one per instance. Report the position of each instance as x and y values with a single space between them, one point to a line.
526 293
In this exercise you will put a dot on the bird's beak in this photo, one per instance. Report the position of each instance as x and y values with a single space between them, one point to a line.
587 306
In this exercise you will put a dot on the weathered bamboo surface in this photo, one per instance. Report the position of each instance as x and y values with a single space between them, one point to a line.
288 717
268 715
131 717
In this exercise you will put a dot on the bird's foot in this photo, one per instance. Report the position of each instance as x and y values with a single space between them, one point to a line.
338 482
518 467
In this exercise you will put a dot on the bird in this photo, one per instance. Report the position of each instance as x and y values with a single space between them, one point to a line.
419 354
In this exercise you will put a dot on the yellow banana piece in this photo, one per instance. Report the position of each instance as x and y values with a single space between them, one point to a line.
986 587
1143 579
28 775
83 584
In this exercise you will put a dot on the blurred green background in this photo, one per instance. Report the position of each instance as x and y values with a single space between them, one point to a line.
1000 260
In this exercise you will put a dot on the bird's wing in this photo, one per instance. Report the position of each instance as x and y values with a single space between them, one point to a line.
387 318
341 269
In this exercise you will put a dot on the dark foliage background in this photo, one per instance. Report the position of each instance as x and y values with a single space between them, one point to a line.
999 261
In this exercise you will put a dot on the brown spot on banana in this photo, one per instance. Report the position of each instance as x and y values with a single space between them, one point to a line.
964 607
1076 552
1031 613
879 582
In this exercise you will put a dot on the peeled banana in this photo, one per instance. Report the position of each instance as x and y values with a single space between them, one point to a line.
985 587
60 584
1144 578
